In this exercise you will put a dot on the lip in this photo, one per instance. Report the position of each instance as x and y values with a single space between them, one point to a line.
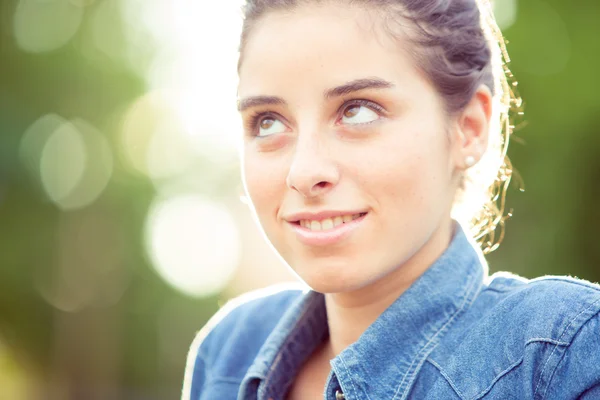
330 236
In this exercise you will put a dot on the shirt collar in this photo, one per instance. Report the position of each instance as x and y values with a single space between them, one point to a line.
297 334
406 332
384 361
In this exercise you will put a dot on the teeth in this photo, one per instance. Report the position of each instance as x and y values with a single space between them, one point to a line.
327 223
315 226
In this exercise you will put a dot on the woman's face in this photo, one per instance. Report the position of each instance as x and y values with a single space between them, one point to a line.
347 155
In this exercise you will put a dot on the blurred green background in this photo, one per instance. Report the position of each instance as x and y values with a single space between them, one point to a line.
122 229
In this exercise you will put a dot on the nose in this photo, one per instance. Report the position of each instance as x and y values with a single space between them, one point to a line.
313 171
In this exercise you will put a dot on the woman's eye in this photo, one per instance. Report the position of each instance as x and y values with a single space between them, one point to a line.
270 126
358 114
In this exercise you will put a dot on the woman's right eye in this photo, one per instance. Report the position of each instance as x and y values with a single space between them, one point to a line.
269 126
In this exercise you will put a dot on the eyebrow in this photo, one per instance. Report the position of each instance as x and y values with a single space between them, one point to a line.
338 91
356 85
256 101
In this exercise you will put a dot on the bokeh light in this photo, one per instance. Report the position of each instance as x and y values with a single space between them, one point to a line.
41 25
505 12
193 243
113 37
169 151
102 37
63 162
35 138
75 165
71 160
141 120
98 170
154 140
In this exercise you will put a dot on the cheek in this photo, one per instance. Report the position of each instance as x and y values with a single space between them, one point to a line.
265 181
409 172
398 182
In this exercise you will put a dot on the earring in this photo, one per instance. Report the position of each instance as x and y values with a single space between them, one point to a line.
469 161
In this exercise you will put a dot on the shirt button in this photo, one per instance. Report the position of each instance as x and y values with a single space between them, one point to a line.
339 395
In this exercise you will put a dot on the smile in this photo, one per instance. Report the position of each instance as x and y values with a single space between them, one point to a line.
327 231
328 223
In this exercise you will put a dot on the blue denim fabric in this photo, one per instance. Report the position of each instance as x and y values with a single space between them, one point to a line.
454 334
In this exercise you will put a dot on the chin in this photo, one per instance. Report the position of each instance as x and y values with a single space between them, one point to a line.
331 279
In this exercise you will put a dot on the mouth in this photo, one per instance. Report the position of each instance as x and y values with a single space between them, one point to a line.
327 231
327 224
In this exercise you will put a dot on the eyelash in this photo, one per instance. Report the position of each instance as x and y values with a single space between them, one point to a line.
258 116
362 102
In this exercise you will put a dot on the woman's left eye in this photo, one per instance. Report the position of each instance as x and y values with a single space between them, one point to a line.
356 114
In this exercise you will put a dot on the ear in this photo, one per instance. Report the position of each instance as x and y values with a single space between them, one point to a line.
472 129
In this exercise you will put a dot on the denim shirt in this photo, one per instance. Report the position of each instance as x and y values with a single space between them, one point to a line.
454 334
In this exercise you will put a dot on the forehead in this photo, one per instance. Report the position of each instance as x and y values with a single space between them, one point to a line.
322 43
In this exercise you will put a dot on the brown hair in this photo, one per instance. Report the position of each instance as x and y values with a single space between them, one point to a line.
458 45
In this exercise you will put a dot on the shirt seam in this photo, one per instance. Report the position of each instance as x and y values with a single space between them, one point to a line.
556 343
485 390
547 340
447 378
500 374
498 377
559 361
537 386
499 290
351 380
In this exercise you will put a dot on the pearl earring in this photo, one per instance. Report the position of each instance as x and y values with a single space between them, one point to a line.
469 161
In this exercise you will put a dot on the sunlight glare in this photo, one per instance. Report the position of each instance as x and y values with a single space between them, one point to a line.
193 244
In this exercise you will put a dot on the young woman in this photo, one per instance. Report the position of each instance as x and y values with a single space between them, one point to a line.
375 140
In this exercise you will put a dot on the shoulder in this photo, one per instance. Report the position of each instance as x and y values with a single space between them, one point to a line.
552 307
507 282
578 370
228 343
253 314
518 332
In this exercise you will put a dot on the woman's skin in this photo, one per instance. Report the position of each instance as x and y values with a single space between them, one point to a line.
347 123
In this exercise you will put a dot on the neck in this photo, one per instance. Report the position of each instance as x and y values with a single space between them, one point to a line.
350 313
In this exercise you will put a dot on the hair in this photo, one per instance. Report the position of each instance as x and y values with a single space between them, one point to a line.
458 45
